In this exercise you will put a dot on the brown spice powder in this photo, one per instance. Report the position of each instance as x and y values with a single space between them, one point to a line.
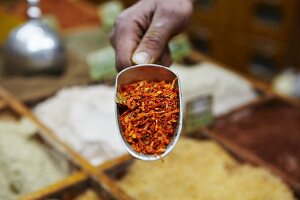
270 130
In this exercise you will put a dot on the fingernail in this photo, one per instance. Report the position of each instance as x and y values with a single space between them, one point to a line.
141 58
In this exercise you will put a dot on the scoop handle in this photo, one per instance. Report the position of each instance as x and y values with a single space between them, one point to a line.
34 11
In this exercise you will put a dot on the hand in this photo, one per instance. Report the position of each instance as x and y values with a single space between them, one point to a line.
142 32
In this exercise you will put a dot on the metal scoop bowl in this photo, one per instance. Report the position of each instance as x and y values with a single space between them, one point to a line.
150 72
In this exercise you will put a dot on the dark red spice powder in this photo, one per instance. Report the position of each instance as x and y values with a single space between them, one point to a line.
270 130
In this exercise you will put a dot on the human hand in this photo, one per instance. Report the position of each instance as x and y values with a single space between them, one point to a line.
142 32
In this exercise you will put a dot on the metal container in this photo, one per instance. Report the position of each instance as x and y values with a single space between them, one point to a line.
150 72
33 48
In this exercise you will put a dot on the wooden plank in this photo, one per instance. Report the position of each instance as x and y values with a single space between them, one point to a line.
75 179
114 162
3 104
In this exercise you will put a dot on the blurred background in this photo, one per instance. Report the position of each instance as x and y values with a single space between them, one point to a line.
239 67
259 37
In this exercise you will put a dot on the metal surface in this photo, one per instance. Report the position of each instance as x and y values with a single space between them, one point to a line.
34 11
150 72
33 48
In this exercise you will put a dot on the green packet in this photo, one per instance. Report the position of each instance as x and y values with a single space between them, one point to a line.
101 64
198 113
180 47
86 41
108 13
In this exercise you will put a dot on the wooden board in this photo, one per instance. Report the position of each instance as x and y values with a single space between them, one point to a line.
70 188
58 187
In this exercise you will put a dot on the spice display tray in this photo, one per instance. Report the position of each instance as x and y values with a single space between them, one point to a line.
75 185
102 179
9 111
72 187
9 104
246 155
261 87
118 168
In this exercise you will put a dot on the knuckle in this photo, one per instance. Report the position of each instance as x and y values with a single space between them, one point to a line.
119 20
122 21
153 40
167 10
183 13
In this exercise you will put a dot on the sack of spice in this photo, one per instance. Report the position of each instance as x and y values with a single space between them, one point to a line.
102 64
180 47
84 118
227 89
108 13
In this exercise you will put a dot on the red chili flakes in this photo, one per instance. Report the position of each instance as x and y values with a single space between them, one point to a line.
150 115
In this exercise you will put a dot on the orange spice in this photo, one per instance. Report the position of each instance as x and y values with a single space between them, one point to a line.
150 115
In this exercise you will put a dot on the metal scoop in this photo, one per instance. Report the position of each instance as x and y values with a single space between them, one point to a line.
150 72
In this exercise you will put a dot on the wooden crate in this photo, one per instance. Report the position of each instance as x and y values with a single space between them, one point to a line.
293 54
258 56
245 154
117 168
240 152
263 88
103 183
270 18
8 109
89 177
214 12
209 40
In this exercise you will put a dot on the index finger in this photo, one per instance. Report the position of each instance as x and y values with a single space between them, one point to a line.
124 39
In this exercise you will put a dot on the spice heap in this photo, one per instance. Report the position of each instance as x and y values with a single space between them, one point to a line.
150 116
255 128
84 118
201 170
25 164
209 79
89 194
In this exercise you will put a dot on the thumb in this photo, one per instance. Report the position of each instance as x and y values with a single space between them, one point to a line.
154 42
